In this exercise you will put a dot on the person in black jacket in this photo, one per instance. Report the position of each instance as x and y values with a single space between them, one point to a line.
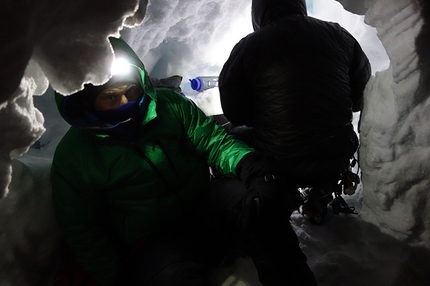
294 83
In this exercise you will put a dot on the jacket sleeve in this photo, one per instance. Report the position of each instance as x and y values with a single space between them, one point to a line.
234 91
208 139
83 220
359 74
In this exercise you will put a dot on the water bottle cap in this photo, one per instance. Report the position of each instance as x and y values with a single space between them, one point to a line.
196 84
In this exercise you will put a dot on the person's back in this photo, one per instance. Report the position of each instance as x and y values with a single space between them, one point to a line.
296 81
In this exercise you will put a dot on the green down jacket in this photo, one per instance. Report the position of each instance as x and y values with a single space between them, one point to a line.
106 189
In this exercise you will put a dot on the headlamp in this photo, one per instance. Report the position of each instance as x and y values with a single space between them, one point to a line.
121 66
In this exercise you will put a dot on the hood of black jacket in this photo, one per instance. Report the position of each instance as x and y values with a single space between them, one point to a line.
264 12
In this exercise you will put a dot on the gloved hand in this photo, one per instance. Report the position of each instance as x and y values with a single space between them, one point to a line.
266 202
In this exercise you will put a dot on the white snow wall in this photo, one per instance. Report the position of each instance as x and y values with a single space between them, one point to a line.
394 131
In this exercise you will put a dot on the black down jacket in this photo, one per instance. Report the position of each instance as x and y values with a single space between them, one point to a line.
296 81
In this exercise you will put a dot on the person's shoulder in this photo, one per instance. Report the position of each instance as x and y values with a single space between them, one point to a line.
173 104
165 92
72 141
166 95
334 29
323 23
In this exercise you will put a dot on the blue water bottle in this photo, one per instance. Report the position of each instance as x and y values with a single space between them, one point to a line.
202 83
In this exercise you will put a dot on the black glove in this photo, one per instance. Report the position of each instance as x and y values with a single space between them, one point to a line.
266 203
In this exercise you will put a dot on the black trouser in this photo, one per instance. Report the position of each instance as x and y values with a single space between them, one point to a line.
185 253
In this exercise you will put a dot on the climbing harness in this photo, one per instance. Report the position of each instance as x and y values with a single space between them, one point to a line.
317 199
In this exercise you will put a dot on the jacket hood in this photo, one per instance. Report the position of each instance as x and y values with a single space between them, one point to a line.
76 108
264 12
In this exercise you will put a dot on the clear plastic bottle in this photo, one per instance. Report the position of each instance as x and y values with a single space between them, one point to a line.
201 83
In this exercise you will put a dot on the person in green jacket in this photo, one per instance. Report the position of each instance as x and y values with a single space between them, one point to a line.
133 191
